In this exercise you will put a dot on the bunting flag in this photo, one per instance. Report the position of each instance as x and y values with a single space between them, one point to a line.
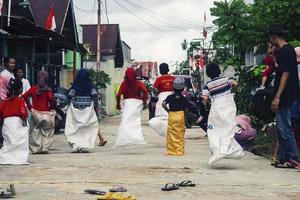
1 8
50 22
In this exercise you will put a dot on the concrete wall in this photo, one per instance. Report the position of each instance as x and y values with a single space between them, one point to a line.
117 76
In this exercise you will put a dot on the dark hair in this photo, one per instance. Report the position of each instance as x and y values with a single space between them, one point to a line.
20 68
15 86
213 70
163 68
176 91
277 30
6 60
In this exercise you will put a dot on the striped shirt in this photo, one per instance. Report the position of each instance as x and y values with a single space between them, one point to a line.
217 86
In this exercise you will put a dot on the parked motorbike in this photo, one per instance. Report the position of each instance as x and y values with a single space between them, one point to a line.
60 100
198 111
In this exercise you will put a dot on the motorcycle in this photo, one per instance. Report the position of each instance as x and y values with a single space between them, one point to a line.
60 100
198 111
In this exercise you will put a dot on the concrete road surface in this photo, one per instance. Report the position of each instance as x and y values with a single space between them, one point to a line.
143 170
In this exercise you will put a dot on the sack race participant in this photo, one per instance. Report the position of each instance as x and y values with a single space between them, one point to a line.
176 123
15 148
222 116
244 134
135 95
82 122
42 114
4 81
164 87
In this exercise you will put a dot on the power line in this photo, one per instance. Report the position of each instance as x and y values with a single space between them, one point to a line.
146 22
172 18
153 16
105 3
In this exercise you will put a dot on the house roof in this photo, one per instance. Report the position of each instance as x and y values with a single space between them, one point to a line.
110 38
41 10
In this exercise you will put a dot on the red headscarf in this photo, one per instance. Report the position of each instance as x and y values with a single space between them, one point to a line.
130 81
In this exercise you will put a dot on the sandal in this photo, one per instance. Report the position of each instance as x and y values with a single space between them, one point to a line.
285 165
11 192
118 188
170 187
186 184
94 192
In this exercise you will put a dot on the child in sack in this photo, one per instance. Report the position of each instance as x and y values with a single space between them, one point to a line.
222 116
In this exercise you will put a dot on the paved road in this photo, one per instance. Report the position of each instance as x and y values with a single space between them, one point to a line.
145 169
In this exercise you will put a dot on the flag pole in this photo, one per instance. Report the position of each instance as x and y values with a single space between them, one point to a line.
9 13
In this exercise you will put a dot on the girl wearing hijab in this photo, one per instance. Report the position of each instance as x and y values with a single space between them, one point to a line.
135 95
43 116
4 81
82 121
13 112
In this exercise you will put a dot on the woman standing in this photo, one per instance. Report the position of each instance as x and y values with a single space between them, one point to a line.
43 117
82 122
13 112
135 95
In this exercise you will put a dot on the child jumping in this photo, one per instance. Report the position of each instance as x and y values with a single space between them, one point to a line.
222 116
13 112
176 106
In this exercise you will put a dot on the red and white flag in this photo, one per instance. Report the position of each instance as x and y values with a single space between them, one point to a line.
1 8
50 22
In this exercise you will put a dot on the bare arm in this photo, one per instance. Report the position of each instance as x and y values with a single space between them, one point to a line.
164 105
282 85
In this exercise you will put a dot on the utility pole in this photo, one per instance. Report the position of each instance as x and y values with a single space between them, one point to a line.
99 36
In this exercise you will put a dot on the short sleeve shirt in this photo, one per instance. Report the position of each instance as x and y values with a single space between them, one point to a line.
217 86
176 102
164 83
287 62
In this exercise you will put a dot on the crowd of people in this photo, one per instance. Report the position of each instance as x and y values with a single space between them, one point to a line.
228 134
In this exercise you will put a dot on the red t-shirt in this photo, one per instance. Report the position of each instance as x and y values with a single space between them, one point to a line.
13 107
164 83
42 102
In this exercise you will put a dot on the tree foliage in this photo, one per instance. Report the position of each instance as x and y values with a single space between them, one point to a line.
99 78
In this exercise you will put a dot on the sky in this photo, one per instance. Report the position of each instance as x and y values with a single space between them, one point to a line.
154 29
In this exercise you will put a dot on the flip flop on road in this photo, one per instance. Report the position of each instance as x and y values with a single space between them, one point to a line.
118 188
94 192
11 192
170 187
186 184
285 165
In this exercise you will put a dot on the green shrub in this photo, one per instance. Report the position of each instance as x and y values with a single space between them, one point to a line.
99 78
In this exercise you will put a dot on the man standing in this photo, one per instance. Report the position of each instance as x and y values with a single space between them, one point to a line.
164 87
286 93
9 71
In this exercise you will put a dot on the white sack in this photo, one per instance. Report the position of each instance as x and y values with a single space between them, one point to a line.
81 127
221 129
15 148
130 129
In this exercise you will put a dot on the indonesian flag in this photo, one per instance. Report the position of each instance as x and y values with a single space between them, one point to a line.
50 22
1 8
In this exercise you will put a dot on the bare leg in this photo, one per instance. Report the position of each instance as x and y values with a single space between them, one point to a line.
263 82
102 142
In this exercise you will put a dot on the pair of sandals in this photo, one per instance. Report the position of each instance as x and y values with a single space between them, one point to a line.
172 186
10 193
116 188
286 165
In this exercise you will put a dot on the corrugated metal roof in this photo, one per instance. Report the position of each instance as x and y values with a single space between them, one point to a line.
41 11
110 37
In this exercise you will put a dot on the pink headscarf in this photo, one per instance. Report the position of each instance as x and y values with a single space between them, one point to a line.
4 81
244 121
